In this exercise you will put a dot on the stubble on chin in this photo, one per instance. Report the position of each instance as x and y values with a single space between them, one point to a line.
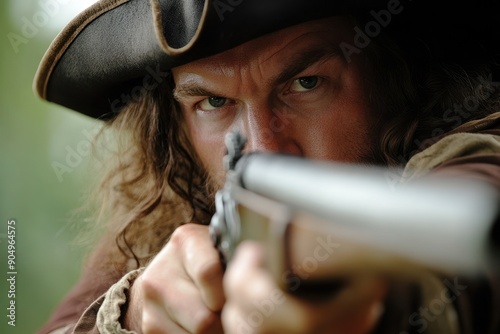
213 183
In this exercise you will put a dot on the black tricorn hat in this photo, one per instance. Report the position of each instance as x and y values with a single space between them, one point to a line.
118 48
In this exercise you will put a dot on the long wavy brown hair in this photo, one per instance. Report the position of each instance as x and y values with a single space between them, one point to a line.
154 181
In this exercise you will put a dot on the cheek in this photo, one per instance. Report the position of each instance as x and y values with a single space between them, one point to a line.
209 147
348 139
344 130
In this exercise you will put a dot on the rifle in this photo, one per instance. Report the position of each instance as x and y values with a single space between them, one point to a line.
322 221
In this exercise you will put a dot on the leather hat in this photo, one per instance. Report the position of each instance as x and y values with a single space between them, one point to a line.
116 49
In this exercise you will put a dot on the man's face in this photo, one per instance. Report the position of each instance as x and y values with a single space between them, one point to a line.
291 91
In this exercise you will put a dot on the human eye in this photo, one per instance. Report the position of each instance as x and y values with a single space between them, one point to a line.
304 84
212 103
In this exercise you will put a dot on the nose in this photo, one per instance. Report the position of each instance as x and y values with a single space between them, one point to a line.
268 130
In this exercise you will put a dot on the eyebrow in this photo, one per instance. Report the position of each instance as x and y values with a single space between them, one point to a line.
305 60
191 89
295 66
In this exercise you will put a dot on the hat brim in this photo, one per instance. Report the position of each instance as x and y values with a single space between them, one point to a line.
117 49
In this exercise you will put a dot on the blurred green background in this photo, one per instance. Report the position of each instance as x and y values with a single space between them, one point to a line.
35 136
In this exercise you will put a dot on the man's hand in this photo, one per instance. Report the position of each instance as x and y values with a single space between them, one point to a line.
181 289
255 304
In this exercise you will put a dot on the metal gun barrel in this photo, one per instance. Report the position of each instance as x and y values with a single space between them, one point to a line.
437 220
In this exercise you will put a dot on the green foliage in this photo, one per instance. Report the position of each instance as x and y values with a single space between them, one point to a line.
34 137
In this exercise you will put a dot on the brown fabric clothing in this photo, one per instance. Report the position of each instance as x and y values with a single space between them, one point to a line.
478 305
475 301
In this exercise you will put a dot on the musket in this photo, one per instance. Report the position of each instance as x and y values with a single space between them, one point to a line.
323 220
